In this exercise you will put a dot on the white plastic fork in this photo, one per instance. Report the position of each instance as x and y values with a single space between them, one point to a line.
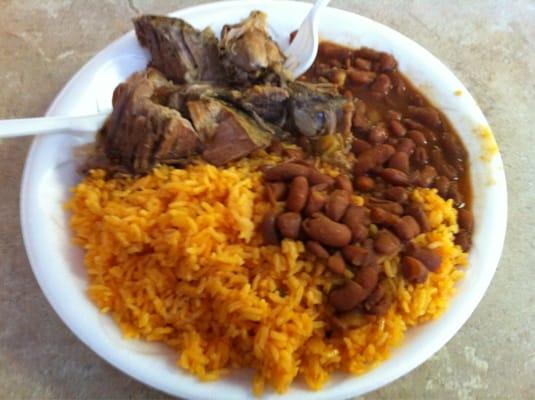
302 52
36 126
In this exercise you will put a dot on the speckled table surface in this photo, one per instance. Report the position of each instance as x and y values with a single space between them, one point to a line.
490 45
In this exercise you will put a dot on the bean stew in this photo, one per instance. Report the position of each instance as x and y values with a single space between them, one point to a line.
389 109
397 141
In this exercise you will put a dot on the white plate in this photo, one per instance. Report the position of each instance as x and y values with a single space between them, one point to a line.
57 264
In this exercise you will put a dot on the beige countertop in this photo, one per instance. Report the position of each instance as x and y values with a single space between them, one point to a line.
490 46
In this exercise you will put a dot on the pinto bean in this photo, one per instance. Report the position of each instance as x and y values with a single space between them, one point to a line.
316 201
356 214
347 297
420 156
417 211
377 303
442 165
378 134
368 53
363 165
276 191
373 257
458 164
455 194
427 175
381 216
330 51
395 177
373 157
361 77
360 122
452 146
378 308
465 219
428 257
336 263
417 137
442 184
367 277
405 145
417 99
315 177
397 194
358 231
390 206
414 177
399 85
289 224
345 120
397 128
413 270
407 228
381 153
357 223
386 242
387 62
327 232
464 240
316 249
337 204
362 64
286 171
343 182
430 136
358 146
399 161
426 115
412 124
382 84
297 194
355 255
269 229
364 183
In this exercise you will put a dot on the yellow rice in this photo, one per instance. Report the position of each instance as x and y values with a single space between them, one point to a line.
175 257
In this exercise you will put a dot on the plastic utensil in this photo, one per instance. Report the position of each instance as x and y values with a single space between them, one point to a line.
303 50
36 126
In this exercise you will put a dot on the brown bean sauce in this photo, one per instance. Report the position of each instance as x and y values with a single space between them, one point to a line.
398 141
391 97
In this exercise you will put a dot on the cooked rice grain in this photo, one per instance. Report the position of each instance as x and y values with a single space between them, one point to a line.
174 257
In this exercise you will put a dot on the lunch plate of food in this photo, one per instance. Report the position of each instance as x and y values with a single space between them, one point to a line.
233 232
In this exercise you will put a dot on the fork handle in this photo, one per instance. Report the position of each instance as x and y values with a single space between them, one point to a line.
317 6
42 125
